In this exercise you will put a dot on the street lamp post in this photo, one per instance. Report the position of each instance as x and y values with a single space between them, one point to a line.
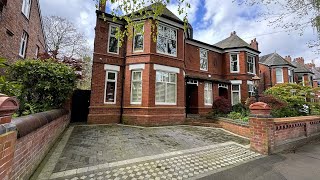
256 82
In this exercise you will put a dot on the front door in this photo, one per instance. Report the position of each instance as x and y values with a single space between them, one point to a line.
191 98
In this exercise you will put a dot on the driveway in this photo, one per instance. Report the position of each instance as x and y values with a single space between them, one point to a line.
127 152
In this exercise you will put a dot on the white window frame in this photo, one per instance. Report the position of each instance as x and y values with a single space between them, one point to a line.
132 72
238 65
208 91
109 36
37 51
166 53
282 81
206 59
290 76
26 8
253 64
23 44
250 90
176 88
105 86
134 38
236 82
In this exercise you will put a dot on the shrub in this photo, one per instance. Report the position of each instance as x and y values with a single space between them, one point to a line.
235 115
222 105
240 108
286 112
44 84
272 101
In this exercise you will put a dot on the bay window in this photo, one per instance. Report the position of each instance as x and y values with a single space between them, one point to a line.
136 87
167 40
110 87
203 59
251 90
234 63
166 88
208 93
290 76
113 44
138 38
279 75
251 65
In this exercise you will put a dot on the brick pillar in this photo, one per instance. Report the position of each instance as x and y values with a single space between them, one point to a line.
8 135
261 128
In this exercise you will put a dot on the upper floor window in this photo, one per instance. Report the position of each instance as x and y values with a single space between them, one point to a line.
234 63
167 40
251 65
26 7
279 75
113 45
23 44
290 75
138 38
37 51
203 60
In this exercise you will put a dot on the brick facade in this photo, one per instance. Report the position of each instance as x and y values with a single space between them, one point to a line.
12 25
190 79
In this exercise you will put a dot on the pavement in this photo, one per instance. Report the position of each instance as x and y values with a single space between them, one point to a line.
127 152
301 164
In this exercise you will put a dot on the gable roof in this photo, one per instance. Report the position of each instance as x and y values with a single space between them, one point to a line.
166 12
316 74
274 59
234 41
301 68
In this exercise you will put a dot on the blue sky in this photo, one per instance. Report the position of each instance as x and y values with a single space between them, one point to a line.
212 20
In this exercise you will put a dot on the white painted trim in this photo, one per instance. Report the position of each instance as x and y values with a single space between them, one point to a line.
206 59
254 63
203 46
159 67
204 91
136 66
236 81
115 90
111 67
168 26
250 82
236 91
238 62
169 22
134 39
241 49
282 80
109 33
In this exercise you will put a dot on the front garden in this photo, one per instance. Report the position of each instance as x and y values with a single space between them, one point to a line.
286 100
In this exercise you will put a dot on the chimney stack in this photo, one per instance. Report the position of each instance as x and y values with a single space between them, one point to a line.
102 5
254 44
233 33
288 58
299 60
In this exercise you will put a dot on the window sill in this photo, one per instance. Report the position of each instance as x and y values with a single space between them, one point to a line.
205 70
171 55
110 103
133 103
235 72
169 104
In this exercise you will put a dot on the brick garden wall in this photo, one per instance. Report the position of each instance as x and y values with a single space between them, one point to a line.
33 147
240 128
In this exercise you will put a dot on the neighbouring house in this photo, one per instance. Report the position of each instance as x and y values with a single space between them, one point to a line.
274 69
302 73
21 31
158 83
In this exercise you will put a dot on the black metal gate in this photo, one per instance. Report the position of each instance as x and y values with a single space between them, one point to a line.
80 105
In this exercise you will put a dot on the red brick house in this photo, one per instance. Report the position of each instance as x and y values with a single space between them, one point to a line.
158 83
21 32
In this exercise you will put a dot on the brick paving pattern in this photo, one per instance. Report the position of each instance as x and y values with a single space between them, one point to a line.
93 145
184 166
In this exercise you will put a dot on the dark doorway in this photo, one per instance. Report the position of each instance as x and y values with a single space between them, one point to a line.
80 105
191 98
223 92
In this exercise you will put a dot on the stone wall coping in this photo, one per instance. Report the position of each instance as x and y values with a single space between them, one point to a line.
8 105
5 128
295 119
259 106
30 123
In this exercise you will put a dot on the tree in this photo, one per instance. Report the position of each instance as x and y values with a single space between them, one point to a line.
63 38
291 15
129 10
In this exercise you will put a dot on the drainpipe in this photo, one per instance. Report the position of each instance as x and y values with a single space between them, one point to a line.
122 86
270 75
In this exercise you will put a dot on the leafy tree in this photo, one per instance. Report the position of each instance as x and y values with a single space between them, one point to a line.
129 10
291 15
296 96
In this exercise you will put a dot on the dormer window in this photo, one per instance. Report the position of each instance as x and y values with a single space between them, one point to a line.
113 44
167 40
138 38
234 63
251 65
203 59
26 6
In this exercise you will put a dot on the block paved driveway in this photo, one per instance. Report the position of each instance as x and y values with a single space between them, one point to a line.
126 152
